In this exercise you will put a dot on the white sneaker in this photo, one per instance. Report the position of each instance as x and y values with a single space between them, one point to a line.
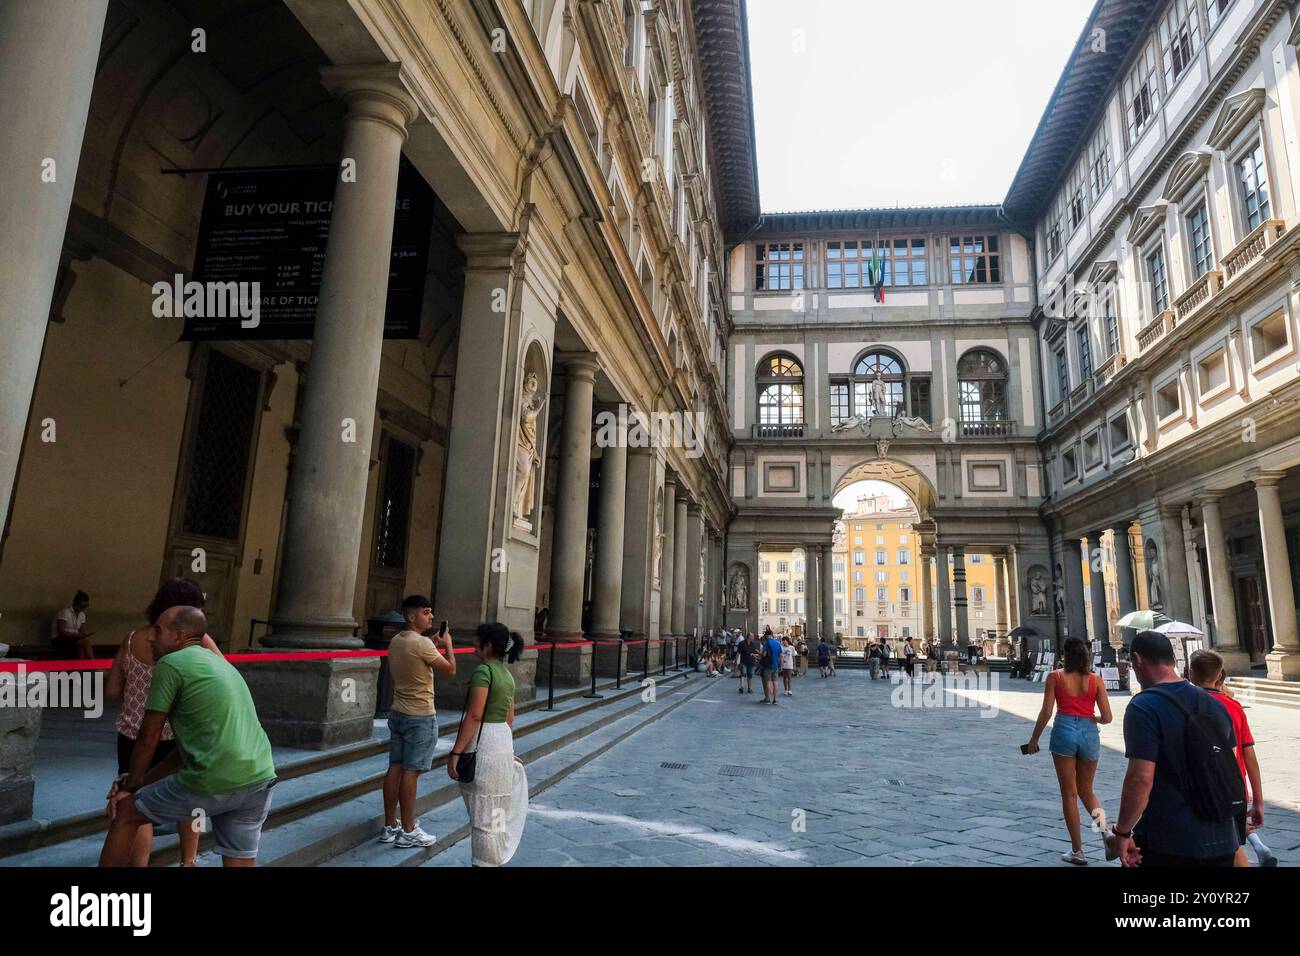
390 834
1076 857
416 837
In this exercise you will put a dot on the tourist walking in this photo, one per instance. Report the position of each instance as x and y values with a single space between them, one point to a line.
771 651
1175 732
787 664
873 659
909 658
221 771
1205 668
1079 698
129 680
413 659
746 656
884 659
802 650
496 796
824 657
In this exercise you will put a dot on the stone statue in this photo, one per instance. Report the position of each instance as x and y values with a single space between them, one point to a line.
879 397
659 537
882 447
853 421
704 565
1154 590
1060 601
1038 594
739 590
526 457
920 424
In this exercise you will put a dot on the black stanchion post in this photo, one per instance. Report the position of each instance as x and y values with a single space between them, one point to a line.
595 645
645 661
618 671
663 659
550 679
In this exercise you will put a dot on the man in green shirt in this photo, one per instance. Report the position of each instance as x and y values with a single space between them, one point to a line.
221 769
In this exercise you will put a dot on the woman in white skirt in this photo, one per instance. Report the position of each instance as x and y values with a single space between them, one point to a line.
497 799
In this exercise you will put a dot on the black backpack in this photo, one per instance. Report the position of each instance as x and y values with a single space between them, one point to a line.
1214 786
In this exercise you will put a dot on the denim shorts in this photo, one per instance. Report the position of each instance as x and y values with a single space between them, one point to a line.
237 817
412 740
1075 737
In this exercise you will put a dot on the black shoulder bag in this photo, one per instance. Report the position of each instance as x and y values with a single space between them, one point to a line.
468 762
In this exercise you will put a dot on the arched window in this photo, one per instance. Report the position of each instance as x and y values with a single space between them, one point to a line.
857 393
780 396
982 385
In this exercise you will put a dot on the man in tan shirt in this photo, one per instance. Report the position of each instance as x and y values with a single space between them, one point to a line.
413 659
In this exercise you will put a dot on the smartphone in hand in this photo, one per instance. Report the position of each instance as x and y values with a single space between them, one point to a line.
442 629
1024 749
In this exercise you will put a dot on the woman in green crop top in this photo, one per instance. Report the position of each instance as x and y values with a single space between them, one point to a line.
497 798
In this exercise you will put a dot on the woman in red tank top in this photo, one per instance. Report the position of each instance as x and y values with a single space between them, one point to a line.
1080 701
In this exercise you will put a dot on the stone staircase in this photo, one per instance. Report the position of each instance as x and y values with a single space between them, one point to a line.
1260 690
329 806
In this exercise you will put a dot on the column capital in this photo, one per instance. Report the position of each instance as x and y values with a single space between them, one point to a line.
693 507
375 91
670 479
582 366
1265 479
1170 509
1208 498
490 251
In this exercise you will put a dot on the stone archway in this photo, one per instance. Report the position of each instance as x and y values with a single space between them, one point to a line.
900 474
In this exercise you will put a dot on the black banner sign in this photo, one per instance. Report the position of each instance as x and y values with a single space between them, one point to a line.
271 227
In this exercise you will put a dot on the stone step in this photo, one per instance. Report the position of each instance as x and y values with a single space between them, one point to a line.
1274 693
315 786
449 820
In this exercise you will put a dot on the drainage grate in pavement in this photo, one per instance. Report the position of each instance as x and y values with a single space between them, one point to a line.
669 765
893 782
727 770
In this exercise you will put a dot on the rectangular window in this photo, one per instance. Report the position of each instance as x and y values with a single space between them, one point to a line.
798 586
851 263
882 594
220 447
782 605
1119 433
1215 10
1085 352
778 266
1076 192
782 586
393 518
859 558
1141 94
783 567
904 556
974 259
1198 234
1254 187
1111 323
1062 375
920 397
840 408
1098 159
1069 466
1169 399
1159 284
882 577
881 557
859 594
1180 38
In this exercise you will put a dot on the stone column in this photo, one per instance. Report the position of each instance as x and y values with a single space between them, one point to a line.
1284 659
1124 584
927 610
1173 561
811 588
680 538
1076 621
298 702
755 591
607 605
826 578
569 550
639 613
695 563
1000 603
1097 589
944 602
1227 642
962 636
48 55
667 605
1013 588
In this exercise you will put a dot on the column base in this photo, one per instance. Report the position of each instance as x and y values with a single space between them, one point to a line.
20 730
1284 664
572 666
608 656
637 652
1236 662
313 636
315 704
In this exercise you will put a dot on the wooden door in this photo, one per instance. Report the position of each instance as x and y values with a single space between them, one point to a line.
1252 621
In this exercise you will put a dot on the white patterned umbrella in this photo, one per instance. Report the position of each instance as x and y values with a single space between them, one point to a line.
1179 629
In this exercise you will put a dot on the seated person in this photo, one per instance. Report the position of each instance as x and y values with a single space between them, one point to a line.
70 637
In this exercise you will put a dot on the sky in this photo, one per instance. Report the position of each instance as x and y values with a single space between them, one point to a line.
848 498
863 103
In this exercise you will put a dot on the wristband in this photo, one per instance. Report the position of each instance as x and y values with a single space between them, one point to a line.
1124 836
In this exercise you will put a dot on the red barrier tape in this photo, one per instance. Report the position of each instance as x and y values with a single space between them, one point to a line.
104 663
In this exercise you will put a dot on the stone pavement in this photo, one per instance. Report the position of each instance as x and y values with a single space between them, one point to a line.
876 784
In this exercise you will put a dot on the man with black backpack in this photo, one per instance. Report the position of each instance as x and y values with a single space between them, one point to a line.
1183 790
